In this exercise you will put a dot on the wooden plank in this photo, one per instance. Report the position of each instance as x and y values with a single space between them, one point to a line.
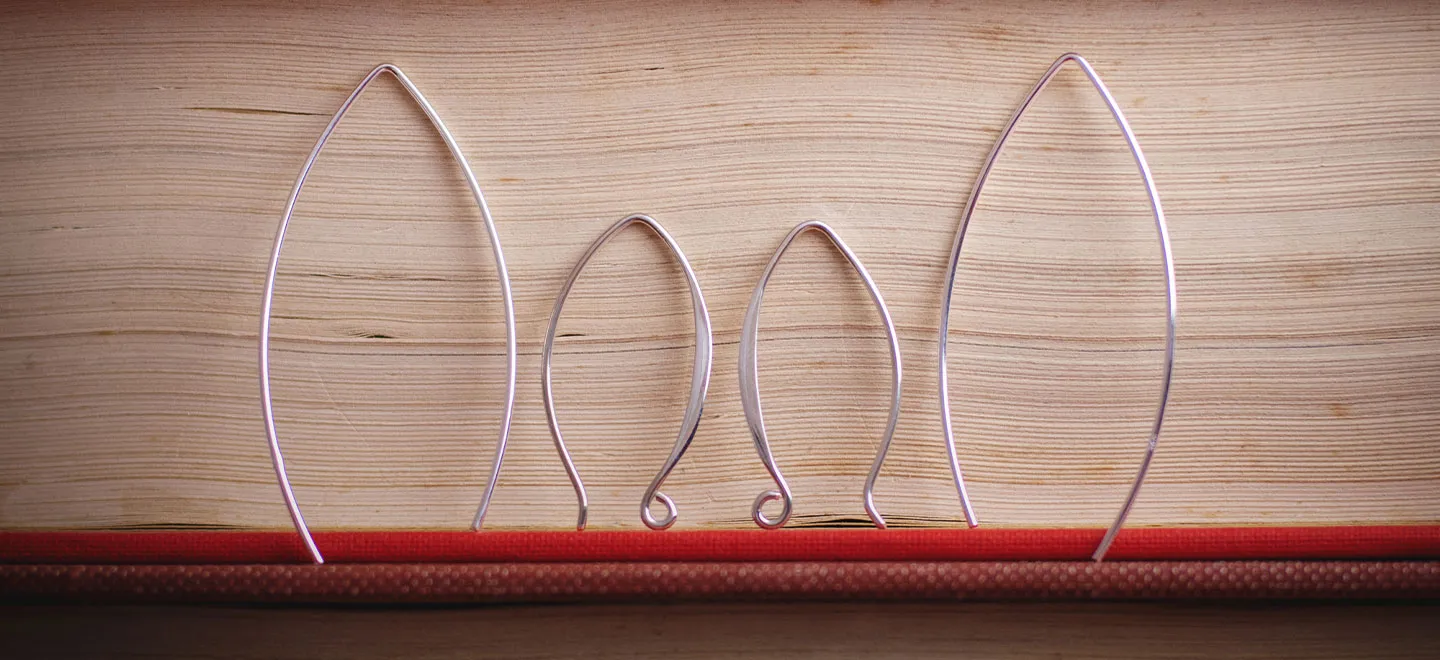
732 631
148 148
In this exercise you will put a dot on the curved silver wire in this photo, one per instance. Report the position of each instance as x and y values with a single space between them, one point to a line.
750 382
266 404
699 377
1165 256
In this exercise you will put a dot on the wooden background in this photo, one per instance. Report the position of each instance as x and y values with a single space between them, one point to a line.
814 630
146 151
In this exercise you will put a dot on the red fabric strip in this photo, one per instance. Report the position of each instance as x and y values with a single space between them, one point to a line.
668 581
274 547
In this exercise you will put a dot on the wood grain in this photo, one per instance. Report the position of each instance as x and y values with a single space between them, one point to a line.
891 630
147 150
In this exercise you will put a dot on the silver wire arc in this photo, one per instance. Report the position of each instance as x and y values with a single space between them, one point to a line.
699 377
750 382
1165 255
266 404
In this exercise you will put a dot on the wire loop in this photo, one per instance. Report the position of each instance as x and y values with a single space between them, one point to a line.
1165 256
699 377
267 300
750 382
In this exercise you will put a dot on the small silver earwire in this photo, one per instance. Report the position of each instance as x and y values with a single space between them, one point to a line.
1165 256
699 377
750 381
267 405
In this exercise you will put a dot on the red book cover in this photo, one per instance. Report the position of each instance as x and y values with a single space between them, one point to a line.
505 566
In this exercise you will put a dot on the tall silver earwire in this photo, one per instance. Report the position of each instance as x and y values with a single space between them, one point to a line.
699 377
269 295
1165 256
750 382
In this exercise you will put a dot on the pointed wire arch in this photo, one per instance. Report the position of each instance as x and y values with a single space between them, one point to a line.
1165 255
750 382
266 403
699 377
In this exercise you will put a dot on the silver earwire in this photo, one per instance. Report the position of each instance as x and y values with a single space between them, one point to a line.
699 377
750 382
267 405
1165 256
